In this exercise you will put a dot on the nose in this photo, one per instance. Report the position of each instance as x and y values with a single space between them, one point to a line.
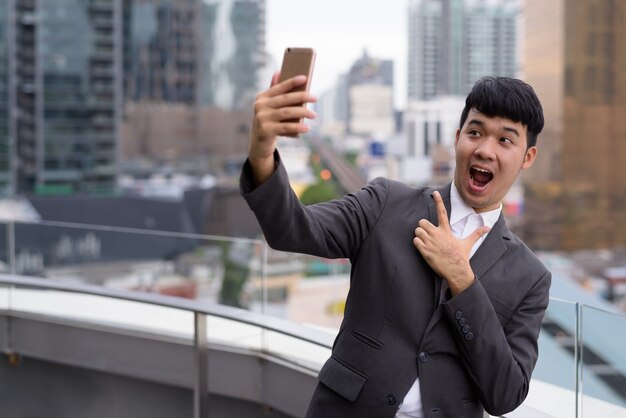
485 149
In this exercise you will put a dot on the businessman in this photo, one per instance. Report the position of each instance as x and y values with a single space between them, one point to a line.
445 304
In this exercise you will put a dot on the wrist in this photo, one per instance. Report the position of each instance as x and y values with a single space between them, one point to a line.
262 167
461 282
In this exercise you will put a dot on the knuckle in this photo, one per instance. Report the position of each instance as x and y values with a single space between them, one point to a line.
285 128
265 129
284 113
259 105
262 131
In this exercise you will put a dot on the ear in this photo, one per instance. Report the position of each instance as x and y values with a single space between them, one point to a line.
529 157
456 139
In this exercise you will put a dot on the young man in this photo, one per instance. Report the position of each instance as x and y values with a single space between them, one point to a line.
445 304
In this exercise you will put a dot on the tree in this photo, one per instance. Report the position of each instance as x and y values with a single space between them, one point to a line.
322 191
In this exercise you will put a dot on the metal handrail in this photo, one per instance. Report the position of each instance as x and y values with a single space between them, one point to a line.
139 231
269 323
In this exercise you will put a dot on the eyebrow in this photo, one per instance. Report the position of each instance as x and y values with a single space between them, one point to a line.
505 128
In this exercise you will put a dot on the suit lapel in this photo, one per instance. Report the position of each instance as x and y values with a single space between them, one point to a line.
491 249
432 217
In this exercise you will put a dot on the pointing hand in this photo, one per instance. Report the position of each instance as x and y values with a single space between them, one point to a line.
447 255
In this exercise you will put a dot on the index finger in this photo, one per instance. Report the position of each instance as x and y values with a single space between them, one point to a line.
442 213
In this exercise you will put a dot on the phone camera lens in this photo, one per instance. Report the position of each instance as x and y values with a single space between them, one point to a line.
288 49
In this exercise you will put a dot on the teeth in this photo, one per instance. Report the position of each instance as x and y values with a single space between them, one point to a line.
481 170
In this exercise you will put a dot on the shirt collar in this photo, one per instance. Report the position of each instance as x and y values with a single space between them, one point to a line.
460 210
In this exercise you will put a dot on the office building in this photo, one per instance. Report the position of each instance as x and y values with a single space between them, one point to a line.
370 97
426 155
452 43
575 58
5 92
197 52
192 70
332 111
64 95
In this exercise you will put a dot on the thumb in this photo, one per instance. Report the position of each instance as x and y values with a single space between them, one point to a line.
477 234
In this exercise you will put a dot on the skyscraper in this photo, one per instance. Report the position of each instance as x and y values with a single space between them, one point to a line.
233 56
198 52
66 65
162 49
5 121
452 43
64 104
575 58
191 72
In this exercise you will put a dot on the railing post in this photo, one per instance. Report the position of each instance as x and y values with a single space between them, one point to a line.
8 348
11 247
201 350
264 257
578 359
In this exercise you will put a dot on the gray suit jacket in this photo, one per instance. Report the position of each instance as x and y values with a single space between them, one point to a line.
474 351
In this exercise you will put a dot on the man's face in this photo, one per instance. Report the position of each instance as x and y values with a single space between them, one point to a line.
490 153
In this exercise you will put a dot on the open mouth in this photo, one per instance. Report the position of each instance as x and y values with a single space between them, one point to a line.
480 177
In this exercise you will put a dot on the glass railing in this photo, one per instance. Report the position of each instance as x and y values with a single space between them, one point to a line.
602 362
581 369
213 269
555 373
235 273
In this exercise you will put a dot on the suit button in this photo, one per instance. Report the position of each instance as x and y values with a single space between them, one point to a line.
466 329
469 336
458 315
462 321
423 357
390 400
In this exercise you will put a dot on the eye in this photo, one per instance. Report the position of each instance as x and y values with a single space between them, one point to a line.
506 140
473 132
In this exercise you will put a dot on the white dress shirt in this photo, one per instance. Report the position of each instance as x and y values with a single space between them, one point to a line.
463 221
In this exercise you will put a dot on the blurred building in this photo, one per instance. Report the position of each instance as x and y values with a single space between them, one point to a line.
5 92
199 52
575 58
192 70
331 108
370 97
174 132
67 66
63 96
452 43
426 155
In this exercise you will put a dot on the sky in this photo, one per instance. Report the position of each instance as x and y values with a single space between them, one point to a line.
339 30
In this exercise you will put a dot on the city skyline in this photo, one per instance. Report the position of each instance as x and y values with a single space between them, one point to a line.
338 38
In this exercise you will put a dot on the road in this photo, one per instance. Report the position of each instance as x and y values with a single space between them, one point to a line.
348 176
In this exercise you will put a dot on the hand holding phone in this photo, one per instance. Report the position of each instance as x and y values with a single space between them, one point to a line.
298 61
269 111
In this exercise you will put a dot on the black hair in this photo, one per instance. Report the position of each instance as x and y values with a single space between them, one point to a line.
509 98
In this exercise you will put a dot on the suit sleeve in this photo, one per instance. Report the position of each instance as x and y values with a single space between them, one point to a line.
332 229
499 359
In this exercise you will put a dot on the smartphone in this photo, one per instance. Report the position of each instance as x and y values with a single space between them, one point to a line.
298 61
